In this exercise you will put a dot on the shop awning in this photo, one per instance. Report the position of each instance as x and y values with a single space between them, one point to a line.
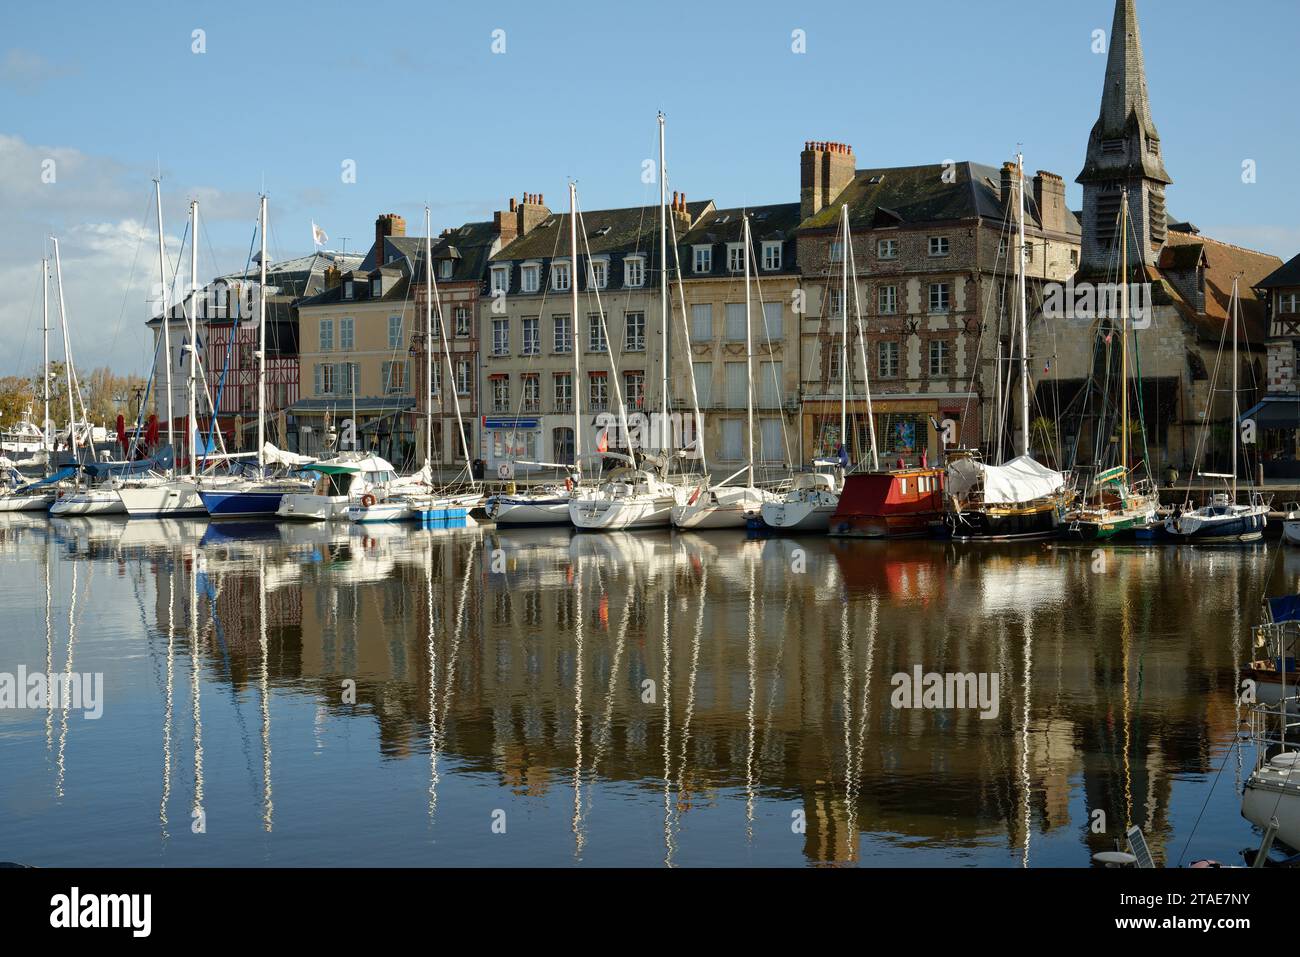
1275 412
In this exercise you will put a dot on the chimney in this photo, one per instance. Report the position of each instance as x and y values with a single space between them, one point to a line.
1008 184
507 223
825 169
332 276
387 224
1049 197
530 213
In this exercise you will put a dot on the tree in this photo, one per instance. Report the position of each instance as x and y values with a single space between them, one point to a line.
17 396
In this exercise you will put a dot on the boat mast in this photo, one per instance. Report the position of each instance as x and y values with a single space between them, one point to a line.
664 434
1236 411
866 370
749 365
166 319
67 352
451 375
1024 315
261 339
428 341
1123 332
192 320
45 363
573 324
844 322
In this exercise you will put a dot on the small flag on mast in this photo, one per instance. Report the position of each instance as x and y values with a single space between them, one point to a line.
318 235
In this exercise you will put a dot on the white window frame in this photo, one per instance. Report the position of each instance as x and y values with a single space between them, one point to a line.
944 358
771 255
631 343
500 279
735 257
536 344
887 248
561 275
462 312
939 246
598 272
940 302
530 277
562 345
634 269
501 343
702 258
887 291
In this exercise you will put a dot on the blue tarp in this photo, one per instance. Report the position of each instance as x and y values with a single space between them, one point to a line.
58 476
161 462
1286 608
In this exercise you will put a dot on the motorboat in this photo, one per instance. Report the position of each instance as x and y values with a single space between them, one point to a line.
339 485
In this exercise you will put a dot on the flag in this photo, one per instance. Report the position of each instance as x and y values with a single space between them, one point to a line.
318 235
1047 368
602 441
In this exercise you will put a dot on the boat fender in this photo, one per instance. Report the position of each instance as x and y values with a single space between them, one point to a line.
367 500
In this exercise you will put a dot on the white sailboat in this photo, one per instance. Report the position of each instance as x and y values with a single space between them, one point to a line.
811 500
341 483
633 496
1224 520
17 493
724 505
167 495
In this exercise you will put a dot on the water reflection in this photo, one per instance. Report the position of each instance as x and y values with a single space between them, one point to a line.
625 698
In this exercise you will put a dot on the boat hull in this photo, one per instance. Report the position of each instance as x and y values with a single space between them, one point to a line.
609 514
1271 793
27 503
509 511
247 503
1004 525
807 515
1227 530
177 498
900 503
720 508
88 503
313 508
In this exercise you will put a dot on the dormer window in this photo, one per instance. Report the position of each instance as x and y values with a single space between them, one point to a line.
377 287
561 276
347 289
771 255
634 271
598 273
530 277
703 259
444 269
736 257
500 279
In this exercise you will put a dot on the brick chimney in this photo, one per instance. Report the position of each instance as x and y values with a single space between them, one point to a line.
825 169
1049 197
387 224
680 213
1008 184
531 212
507 223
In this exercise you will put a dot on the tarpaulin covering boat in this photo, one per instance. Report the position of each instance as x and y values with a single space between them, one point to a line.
1020 480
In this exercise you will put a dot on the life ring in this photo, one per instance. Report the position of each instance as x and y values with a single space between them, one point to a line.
568 485
367 500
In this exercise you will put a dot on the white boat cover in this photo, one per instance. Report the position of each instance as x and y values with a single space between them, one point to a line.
273 456
1020 480
424 477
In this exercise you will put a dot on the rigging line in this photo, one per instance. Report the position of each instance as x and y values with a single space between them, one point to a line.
690 361
767 338
27 331
541 309
614 372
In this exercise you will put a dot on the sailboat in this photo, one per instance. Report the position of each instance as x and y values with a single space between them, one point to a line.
167 495
813 497
633 495
409 499
260 497
723 505
550 505
341 482
1112 503
1021 498
1224 520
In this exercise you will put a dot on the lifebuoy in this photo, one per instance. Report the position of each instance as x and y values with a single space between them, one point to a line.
367 500
568 485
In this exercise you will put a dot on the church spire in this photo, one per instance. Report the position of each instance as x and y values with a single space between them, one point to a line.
1124 151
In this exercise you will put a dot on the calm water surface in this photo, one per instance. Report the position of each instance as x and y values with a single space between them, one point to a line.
541 698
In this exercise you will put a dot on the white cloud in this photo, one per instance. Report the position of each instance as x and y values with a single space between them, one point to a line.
26 72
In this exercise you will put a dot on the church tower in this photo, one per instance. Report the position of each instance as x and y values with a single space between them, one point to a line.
1123 151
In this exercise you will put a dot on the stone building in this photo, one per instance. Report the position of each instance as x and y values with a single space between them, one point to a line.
1277 415
930 257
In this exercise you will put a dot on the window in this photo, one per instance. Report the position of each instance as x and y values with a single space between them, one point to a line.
736 257
530 384
394 332
736 322
435 380
348 292
837 301
634 389
1002 248
887 300
347 377
634 332
938 297
324 375
501 337
634 271
597 391
938 245
463 374
462 322
737 383
837 251
938 358
702 321
560 276
532 336
703 258
771 441
769 384
595 334
396 377
530 277
733 446
887 249
444 268
563 387
1288 302
563 333
598 273
887 360
562 444
500 385
703 384
771 255
773 322
500 278
377 287
327 335
832 362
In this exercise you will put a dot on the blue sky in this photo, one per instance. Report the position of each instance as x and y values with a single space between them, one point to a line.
413 93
